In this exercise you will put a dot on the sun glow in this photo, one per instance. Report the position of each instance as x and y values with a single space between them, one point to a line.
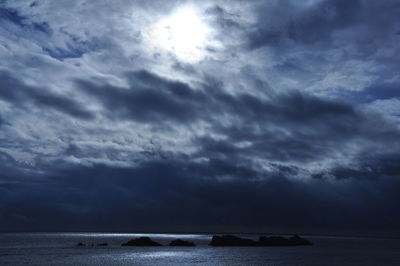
183 34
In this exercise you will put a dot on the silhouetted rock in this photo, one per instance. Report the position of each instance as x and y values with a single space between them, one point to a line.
282 241
298 241
141 241
273 241
102 244
80 244
182 243
229 240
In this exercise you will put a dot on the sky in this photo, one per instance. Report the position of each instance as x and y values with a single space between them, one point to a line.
200 116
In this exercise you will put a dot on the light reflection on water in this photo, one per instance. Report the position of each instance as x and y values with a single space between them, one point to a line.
162 254
154 256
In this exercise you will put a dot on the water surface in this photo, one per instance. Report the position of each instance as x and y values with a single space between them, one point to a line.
60 249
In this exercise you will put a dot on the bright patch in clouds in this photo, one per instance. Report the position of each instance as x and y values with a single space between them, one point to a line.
184 34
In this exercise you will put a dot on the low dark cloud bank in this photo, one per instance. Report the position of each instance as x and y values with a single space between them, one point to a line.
291 126
176 195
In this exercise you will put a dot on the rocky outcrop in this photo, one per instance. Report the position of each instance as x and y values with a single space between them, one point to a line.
282 241
298 241
141 241
273 241
181 243
229 240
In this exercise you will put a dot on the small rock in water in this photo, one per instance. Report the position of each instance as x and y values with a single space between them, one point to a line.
141 241
282 241
298 241
228 240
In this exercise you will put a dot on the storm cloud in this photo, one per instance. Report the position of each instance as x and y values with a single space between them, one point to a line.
283 118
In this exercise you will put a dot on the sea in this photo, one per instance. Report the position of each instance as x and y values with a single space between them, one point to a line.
61 249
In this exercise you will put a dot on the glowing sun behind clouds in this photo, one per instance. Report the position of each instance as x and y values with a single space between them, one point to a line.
184 34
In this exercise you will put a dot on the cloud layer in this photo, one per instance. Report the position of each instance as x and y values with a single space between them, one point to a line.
289 121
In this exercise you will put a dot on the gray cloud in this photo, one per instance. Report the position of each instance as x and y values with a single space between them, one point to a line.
14 91
148 98
290 128
318 23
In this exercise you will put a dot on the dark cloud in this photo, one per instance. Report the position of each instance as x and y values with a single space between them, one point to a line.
153 98
290 128
286 130
149 98
377 91
75 48
318 23
372 167
171 195
16 92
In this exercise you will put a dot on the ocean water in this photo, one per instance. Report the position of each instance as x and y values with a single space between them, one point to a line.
61 249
